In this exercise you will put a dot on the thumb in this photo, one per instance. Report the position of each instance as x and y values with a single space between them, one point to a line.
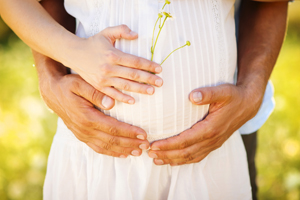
118 32
209 95
89 93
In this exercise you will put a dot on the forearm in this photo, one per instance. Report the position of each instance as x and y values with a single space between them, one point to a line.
46 67
37 28
261 34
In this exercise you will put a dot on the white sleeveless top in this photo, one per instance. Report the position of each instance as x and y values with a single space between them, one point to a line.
75 171
209 61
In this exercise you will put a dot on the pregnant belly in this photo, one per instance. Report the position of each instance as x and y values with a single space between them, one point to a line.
168 111
210 60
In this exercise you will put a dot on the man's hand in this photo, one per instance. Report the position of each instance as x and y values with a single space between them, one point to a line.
225 116
72 98
261 33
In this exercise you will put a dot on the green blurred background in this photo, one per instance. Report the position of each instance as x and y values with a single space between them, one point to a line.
27 126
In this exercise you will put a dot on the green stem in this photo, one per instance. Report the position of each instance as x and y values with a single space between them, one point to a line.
172 52
153 32
158 36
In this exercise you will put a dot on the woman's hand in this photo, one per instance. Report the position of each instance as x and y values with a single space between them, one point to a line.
108 69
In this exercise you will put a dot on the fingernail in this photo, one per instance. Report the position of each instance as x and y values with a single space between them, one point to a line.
107 102
133 33
131 101
197 96
152 155
150 90
158 82
143 146
141 137
135 153
155 148
158 69
159 162
122 156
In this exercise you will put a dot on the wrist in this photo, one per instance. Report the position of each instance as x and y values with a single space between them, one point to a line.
253 92
71 50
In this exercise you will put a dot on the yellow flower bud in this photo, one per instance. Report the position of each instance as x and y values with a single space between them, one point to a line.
188 43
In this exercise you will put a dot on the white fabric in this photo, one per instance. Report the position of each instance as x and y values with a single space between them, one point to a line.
76 172
263 114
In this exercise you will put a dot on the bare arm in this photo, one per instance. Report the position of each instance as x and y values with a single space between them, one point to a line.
95 59
257 55
73 100
262 29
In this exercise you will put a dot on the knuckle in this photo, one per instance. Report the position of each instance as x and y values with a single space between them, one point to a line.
101 81
106 146
75 85
190 158
123 28
113 131
126 86
136 62
114 141
134 75
106 69
112 56
185 155
212 134
183 144
94 95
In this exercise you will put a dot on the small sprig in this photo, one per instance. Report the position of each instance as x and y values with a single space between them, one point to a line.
166 16
188 43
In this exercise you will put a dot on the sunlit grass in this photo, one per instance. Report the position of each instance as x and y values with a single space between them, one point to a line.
279 139
26 126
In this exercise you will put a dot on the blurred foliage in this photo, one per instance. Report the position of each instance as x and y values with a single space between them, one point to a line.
27 126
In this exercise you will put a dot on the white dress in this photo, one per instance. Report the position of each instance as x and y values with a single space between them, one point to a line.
76 172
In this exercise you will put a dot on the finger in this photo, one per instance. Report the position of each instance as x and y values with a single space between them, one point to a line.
87 133
199 158
117 95
118 32
204 151
136 75
194 158
181 141
209 95
121 141
132 61
183 155
121 150
100 150
88 92
109 125
131 86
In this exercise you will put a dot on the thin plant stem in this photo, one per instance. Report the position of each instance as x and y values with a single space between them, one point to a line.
159 18
158 36
172 52
153 34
